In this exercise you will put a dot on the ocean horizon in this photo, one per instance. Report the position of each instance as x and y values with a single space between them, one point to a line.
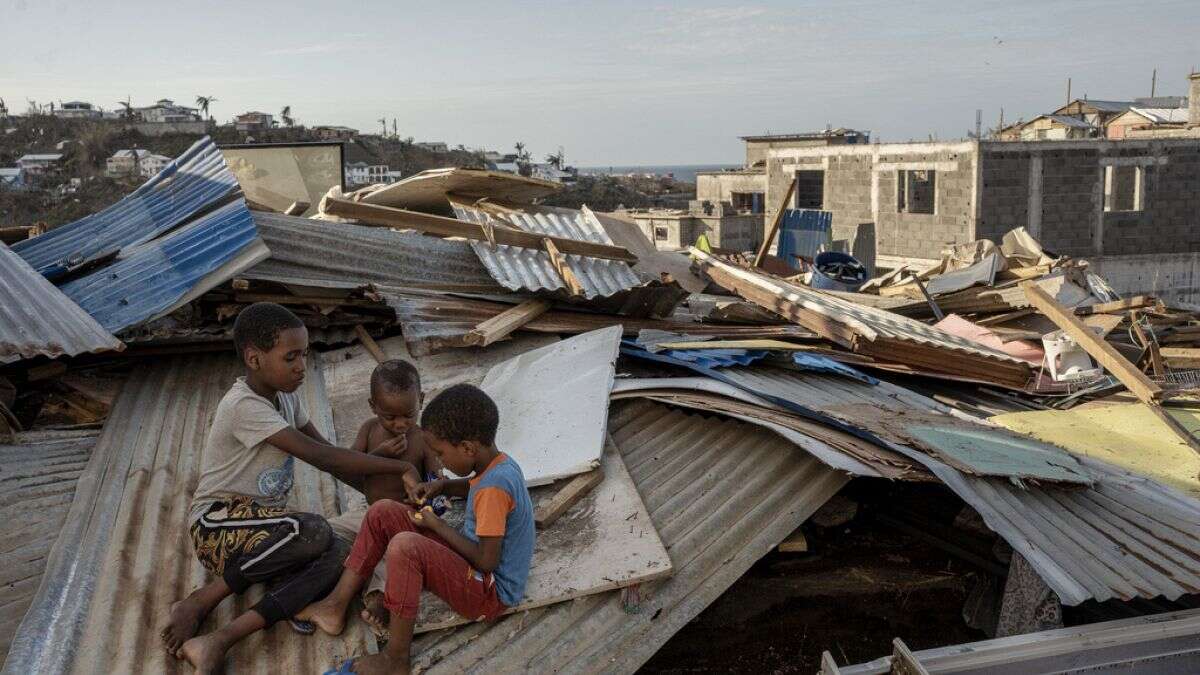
681 172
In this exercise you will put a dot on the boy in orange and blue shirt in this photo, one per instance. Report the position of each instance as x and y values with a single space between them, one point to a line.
480 571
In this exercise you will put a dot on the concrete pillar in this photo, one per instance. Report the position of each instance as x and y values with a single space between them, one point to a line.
1194 101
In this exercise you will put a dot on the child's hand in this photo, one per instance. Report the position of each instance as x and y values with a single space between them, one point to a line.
411 488
427 490
392 447
425 518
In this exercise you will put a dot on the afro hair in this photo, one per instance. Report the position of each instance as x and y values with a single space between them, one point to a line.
259 326
462 413
395 376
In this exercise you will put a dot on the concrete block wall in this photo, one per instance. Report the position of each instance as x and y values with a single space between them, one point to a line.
1170 219
1004 194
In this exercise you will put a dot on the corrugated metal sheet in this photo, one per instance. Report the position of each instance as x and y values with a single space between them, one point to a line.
1125 537
721 493
154 278
519 268
303 248
194 182
37 319
867 322
123 555
803 234
1160 644
37 484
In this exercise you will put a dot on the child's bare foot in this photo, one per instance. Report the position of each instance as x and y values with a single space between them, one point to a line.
328 615
182 624
375 614
206 653
380 664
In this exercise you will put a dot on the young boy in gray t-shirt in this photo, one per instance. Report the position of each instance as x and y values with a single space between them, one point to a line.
240 526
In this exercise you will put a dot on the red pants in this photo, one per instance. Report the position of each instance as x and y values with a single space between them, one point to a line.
418 559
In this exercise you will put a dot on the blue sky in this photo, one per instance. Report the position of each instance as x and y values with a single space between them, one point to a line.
611 82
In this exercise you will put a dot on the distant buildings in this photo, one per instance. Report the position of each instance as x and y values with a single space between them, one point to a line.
361 173
1057 128
78 110
1154 117
432 146
254 121
135 162
12 178
151 164
335 133
553 173
39 164
166 111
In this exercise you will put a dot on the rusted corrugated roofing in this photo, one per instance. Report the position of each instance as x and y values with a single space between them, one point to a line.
37 484
519 268
37 319
303 248
721 493
123 555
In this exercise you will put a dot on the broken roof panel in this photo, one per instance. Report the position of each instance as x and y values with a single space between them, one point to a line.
123 557
721 494
303 248
36 319
429 190
194 182
519 268
154 278
553 404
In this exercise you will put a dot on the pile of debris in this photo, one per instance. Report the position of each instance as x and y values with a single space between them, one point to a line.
677 414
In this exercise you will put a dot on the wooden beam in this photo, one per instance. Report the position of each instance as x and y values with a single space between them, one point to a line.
1156 362
828 665
320 300
370 344
440 226
550 510
903 661
1181 357
297 208
505 323
795 543
766 242
1104 353
559 261
1103 323
1117 306
937 311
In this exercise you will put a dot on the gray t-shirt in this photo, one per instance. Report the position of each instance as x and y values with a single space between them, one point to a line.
237 462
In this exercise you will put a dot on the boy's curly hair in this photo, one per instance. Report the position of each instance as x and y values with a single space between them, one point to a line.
260 324
462 413
395 376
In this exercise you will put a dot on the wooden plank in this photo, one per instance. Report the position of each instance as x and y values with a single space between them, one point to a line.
441 226
1181 357
576 489
828 665
1104 353
320 300
903 661
505 323
562 268
1103 324
1117 306
370 344
766 242
297 208
1156 362
795 543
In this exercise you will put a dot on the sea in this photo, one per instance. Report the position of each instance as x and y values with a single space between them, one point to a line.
681 172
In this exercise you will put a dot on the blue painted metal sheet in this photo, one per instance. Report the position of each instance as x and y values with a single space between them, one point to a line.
727 358
154 278
803 234
194 182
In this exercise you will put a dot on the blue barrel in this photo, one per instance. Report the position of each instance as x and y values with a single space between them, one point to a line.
852 273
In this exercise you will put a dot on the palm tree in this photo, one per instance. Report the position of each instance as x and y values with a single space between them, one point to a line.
127 105
203 102
556 159
520 148
286 115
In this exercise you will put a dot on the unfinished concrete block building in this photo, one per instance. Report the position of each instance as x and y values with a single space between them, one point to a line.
1119 204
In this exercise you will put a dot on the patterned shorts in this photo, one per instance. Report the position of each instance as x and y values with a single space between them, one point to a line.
246 524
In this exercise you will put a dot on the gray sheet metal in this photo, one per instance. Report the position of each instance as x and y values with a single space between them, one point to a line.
123 555
721 493
519 268
36 319
302 248
982 272
37 484
1160 644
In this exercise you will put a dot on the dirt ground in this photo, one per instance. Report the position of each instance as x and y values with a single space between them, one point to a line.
859 586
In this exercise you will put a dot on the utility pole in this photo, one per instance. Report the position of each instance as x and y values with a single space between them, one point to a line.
1068 91
1000 129
1153 81
978 123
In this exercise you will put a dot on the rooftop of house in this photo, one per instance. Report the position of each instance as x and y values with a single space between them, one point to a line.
1162 115
41 157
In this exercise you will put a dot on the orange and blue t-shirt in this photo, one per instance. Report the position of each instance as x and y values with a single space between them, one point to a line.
498 505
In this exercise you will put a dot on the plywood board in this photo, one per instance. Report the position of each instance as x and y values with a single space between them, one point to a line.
606 541
554 404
